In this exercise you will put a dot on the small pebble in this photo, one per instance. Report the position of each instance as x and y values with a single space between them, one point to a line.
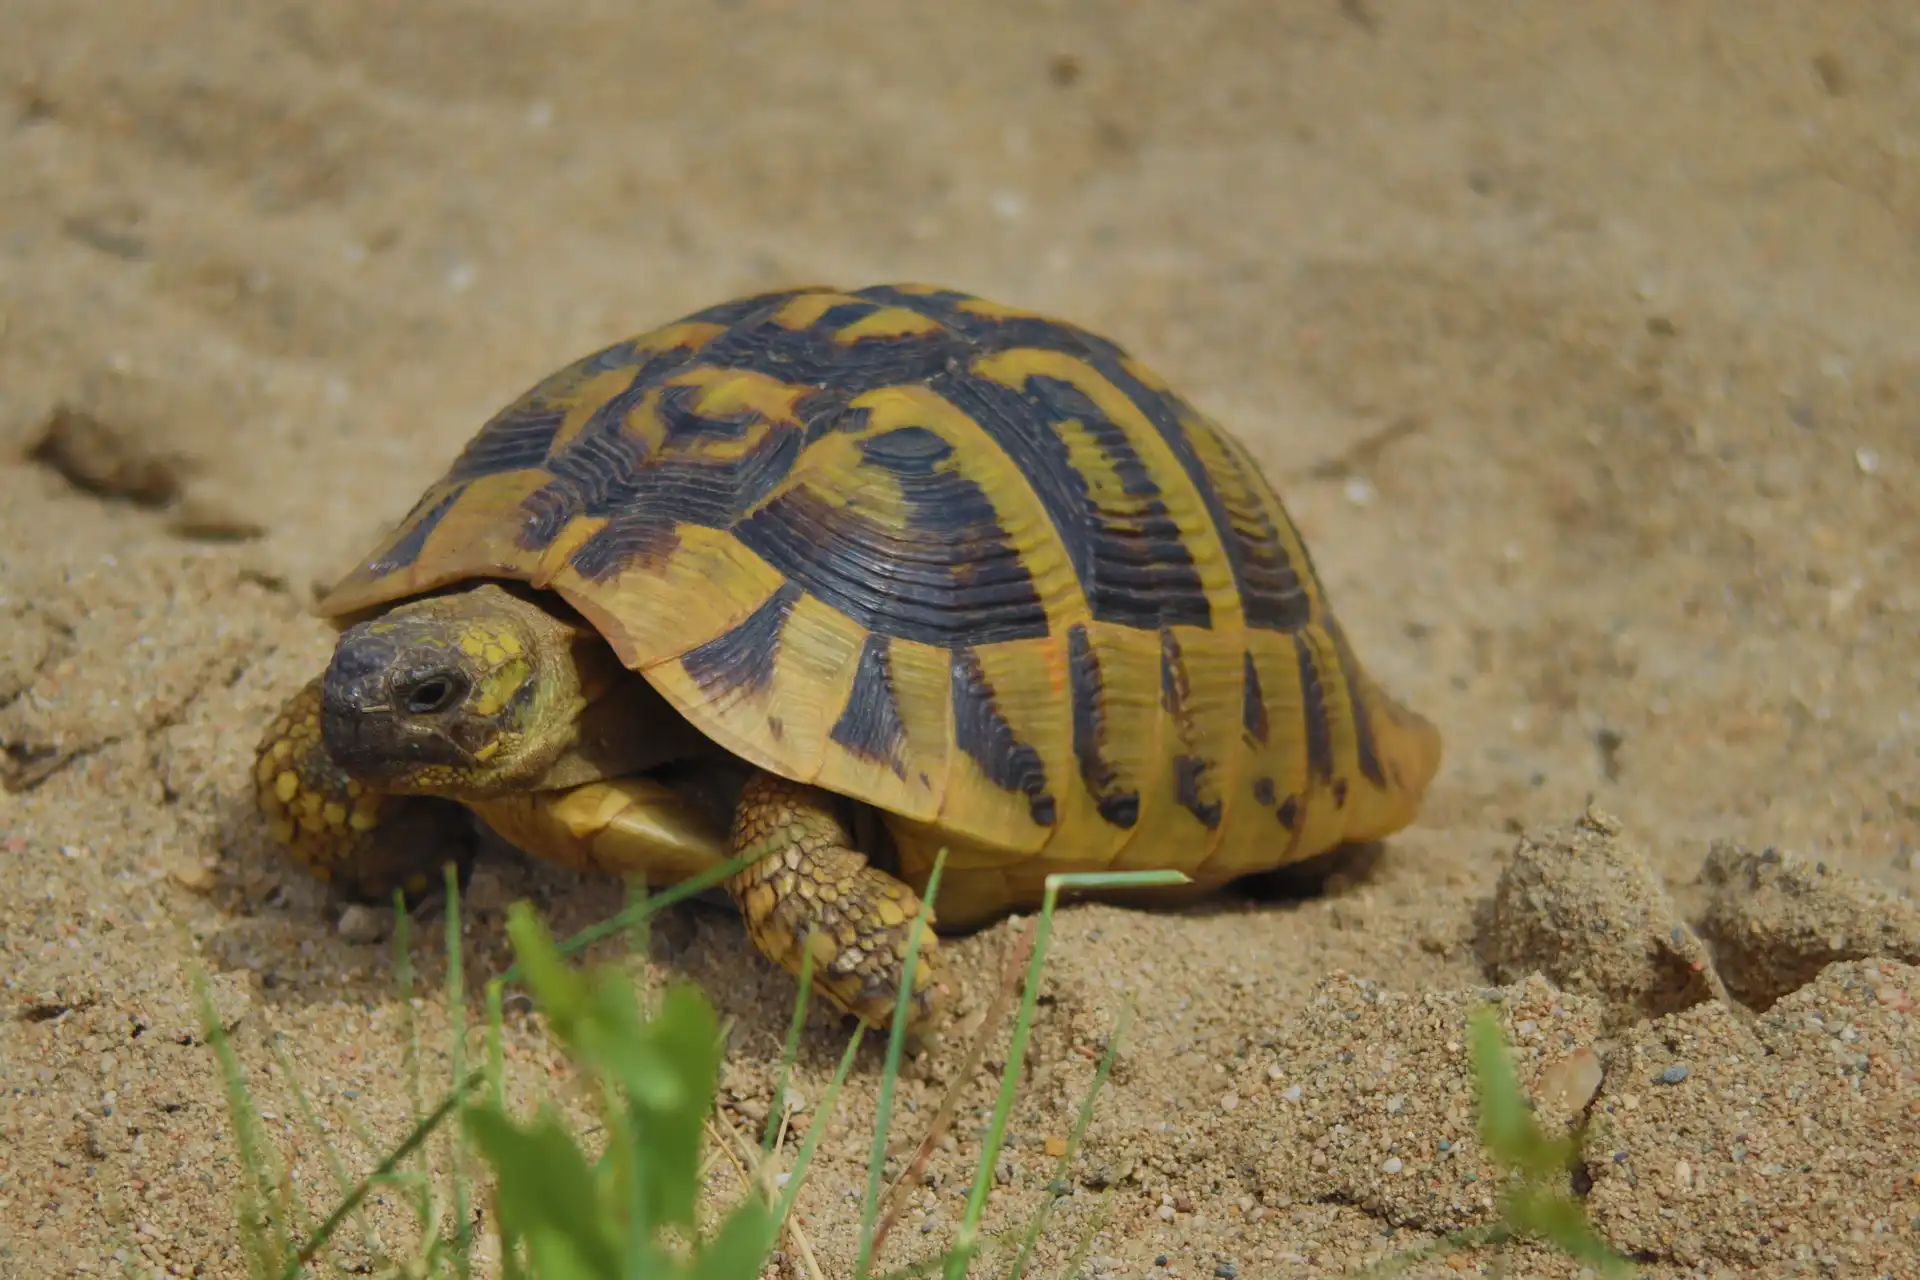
1393 1164
1291 1093
1673 1074
364 925
485 891
1573 1081
1226 1271
190 873
1166 1215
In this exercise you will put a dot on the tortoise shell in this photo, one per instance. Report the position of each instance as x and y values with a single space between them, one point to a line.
973 566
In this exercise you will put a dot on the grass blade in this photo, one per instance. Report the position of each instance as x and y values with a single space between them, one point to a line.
638 912
890 1076
804 1158
967 1238
383 1172
457 1054
791 1050
257 1161
1064 1169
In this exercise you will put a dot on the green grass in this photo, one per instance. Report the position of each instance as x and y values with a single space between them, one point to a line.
559 1210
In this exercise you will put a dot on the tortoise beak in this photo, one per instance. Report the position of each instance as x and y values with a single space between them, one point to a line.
372 721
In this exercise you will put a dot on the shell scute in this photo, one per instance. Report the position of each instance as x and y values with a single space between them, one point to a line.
973 565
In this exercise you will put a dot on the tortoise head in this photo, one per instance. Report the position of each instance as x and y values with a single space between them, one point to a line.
467 695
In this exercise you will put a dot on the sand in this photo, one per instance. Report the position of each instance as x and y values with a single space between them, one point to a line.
1579 339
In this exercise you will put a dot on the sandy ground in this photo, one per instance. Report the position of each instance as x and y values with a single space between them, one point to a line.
1580 339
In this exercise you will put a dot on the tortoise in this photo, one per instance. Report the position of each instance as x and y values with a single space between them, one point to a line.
834 580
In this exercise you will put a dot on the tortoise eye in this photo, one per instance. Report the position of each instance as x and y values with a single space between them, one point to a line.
435 693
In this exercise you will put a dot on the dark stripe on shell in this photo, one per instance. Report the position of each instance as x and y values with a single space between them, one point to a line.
1189 770
685 425
1253 703
1313 705
519 436
1270 594
1087 689
592 474
1189 773
742 660
1134 572
825 410
738 310
514 441
991 332
407 548
1263 792
870 725
984 734
1174 685
1269 584
1366 751
948 574
813 355
1137 570
1289 813
648 510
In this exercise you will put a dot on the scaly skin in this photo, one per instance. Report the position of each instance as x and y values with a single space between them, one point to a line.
527 779
807 877
363 841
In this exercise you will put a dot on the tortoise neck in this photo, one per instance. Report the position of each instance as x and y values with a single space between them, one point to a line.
625 725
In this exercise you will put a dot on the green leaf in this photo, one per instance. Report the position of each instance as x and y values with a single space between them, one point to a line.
545 1190
1561 1221
558 1256
1506 1127
560 990
1506 1123
739 1249
679 1049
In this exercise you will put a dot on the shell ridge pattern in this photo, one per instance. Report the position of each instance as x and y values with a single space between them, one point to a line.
1271 592
972 563
1134 565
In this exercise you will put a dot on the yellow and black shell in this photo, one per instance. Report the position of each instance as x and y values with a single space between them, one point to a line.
976 567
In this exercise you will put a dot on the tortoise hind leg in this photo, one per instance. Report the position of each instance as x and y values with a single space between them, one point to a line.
807 875
364 842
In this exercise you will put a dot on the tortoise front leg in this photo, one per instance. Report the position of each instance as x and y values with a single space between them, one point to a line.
364 842
807 875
